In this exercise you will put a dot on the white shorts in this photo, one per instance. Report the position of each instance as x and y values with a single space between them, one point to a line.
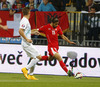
31 51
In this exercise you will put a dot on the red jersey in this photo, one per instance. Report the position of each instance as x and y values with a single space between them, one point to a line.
51 34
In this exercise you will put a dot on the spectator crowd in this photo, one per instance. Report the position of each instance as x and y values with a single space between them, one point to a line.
35 5
47 5
90 6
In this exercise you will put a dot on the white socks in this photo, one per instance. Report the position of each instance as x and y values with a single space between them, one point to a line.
32 63
31 71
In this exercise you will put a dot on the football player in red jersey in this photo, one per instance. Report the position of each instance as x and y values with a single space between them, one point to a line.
51 31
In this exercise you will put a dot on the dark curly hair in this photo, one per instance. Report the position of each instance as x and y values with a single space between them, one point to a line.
54 19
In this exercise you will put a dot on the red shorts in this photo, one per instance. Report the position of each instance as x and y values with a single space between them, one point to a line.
52 51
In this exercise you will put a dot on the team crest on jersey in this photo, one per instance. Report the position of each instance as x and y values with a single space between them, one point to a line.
49 28
53 32
23 25
56 29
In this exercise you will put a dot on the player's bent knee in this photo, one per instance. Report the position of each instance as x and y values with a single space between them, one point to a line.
50 58
57 56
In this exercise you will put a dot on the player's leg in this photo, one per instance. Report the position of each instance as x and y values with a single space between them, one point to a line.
31 70
32 63
50 58
29 66
33 53
31 73
54 53
62 64
43 58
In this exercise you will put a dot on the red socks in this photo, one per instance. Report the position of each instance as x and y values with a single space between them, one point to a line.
63 66
44 58
61 63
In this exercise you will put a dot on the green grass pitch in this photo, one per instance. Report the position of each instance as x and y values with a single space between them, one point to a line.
18 80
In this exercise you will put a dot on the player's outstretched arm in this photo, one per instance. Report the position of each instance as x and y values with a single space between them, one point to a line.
35 32
66 39
4 27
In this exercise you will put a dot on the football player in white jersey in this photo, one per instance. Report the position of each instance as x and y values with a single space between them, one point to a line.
25 32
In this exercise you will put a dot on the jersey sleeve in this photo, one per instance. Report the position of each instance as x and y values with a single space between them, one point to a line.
60 31
42 29
23 25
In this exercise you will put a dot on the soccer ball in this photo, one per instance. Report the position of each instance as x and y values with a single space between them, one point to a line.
78 75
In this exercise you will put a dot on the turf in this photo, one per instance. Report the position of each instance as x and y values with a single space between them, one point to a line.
18 80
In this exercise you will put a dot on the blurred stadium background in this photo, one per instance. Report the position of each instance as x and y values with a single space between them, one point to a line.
75 27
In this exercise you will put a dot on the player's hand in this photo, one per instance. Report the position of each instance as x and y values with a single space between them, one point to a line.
29 40
72 43
36 33
5 27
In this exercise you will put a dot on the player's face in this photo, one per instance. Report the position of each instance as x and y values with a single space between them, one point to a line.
55 24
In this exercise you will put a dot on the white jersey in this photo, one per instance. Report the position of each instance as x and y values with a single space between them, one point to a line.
24 24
